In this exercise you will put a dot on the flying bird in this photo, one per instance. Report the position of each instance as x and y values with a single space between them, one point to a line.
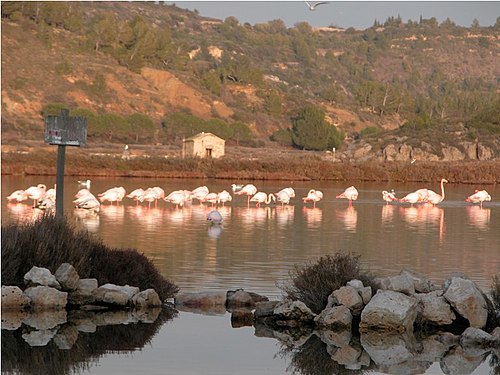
312 6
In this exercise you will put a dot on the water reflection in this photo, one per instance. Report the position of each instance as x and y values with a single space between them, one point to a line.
113 213
478 216
88 219
312 216
349 218
424 216
284 216
24 212
61 343
214 231
388 211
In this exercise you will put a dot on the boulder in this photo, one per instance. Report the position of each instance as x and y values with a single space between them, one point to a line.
242 298
421 283
202 299
111 296
451 153
47 319
475 337
13 298
67 276
146 298
294 311
399 283
436 310
348 297
46 298
390 311
484 153
468 301
12 319
84 293
334 317
129 291
41 276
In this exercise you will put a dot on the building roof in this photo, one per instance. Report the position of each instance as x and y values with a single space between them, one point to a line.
202 135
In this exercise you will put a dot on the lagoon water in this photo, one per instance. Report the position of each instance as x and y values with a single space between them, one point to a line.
256 248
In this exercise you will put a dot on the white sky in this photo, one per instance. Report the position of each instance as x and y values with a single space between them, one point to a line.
357 14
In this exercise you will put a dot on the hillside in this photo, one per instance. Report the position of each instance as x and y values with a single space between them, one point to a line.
393 92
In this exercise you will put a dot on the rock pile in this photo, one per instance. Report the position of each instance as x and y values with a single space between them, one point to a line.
65 289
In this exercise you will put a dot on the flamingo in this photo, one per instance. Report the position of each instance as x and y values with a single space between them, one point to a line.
160 194
48 202
214 217
224 197
17 196
313 196
351 193
88 202
389 197
248 190
435 198
137 195
283 197
177 197
211 198
479 196
115 194
289 191
262 197
200 193
411 198
36 193
423 194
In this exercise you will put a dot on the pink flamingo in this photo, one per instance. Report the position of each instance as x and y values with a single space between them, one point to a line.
351 193
262 198
36 193
200 193
313 196
177 197
389 197
224 197
479 196
283 197
17 196
248 190
411 198
210 198
435 198
137 195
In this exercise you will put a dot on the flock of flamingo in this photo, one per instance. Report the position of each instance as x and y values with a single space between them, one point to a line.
84 199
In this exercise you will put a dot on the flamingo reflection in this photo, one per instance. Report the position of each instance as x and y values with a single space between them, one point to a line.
423 216
312 216
89 219
284 215
114 213
388 213
349 217
478 216
251 216
148 218
23 212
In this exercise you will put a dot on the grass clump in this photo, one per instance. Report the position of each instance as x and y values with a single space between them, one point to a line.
314 282
48 242
495 294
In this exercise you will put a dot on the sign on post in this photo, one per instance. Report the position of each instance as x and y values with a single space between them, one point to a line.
64 131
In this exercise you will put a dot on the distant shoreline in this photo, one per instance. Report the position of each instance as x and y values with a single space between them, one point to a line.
267 164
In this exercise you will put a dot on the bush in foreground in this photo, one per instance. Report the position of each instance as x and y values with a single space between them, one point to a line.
313 283
48 242
495 293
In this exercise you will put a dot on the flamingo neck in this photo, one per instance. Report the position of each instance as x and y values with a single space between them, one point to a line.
442 189
269 197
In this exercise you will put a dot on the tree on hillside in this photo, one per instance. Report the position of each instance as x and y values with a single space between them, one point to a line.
310 131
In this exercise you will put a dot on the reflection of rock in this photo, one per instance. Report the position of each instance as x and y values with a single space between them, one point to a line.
39 338
14 299
66 337
46 319
241 318
389 348
336 338
12 320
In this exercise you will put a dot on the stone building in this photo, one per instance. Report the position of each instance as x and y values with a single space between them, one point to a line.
203 145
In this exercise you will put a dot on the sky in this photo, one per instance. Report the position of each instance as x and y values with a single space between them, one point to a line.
345 14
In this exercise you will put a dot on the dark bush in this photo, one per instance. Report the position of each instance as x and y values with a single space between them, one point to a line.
313 283
48 242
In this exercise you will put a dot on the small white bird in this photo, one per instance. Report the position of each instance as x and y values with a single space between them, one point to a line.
312 6
84 184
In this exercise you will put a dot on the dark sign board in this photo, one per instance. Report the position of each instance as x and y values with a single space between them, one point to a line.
65 130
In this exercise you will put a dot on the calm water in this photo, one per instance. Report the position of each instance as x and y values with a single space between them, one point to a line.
256 248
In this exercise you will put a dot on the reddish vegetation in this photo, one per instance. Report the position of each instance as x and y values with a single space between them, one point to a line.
240 164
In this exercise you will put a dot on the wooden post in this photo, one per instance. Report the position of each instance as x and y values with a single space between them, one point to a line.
61 153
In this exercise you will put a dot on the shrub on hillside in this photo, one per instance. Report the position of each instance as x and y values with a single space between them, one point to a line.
313 283
48 242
